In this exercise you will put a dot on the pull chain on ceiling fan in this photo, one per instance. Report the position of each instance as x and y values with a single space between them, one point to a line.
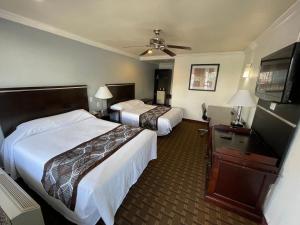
159 43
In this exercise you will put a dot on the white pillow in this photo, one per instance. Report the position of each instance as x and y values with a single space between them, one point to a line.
117 106
121 106
127 105
135 102
43 124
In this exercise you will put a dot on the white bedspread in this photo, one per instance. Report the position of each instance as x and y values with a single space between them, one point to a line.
165 123
103 189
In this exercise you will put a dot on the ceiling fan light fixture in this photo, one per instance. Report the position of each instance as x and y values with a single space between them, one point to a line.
159 43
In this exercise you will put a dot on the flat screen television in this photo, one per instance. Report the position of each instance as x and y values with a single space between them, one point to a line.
278 79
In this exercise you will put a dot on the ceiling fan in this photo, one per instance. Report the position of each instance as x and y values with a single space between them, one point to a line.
159 43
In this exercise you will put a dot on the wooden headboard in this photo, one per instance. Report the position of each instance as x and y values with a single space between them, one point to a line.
19 105
121 93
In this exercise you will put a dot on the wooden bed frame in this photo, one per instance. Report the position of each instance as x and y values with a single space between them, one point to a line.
121 92
19 105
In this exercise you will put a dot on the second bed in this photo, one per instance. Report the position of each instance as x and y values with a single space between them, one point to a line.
136 113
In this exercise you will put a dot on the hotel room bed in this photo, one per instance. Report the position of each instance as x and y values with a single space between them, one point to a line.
130 112
103 189
28 146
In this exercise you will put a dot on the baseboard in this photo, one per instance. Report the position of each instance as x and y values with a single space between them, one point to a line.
195 121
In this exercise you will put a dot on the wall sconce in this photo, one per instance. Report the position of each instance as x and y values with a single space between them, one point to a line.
247 70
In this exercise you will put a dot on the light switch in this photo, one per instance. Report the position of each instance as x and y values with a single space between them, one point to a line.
273 106
90 99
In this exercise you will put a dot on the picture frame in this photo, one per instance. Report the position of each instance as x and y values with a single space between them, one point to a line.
204 77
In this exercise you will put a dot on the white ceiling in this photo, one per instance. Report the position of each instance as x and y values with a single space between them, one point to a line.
205 25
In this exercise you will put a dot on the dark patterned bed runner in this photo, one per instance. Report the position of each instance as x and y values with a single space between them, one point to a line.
4 220
63 173
149 119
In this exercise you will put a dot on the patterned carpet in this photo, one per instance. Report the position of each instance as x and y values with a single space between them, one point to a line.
171 189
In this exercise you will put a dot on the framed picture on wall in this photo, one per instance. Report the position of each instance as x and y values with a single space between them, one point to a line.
203 77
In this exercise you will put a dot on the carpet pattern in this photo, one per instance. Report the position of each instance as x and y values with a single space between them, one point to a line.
170 190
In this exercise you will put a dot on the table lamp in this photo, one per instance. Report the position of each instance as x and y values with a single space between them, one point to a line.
103 93
242 98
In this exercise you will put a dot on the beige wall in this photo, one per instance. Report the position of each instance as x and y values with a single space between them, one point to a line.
30 57
283 203
230 71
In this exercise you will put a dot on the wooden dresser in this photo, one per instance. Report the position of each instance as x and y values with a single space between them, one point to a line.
241 169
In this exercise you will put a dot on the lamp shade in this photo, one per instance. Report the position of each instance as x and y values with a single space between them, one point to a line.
103 93
242 98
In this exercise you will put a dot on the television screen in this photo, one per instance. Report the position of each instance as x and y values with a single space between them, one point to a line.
272 79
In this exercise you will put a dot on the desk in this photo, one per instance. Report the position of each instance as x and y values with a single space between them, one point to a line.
240 170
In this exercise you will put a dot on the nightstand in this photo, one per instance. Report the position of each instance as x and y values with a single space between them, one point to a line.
148 101
109 115
102 116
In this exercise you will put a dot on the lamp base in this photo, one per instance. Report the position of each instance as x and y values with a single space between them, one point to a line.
236 124
103 112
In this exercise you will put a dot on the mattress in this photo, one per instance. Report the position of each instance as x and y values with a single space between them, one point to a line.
102 190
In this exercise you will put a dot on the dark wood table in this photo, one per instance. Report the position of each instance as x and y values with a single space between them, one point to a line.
240 167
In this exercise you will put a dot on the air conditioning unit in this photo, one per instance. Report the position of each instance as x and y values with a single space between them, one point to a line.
17 207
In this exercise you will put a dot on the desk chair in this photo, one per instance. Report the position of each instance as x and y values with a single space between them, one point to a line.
205 118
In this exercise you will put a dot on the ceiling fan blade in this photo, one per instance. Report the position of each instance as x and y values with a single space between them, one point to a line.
167 51
145 52
179 47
